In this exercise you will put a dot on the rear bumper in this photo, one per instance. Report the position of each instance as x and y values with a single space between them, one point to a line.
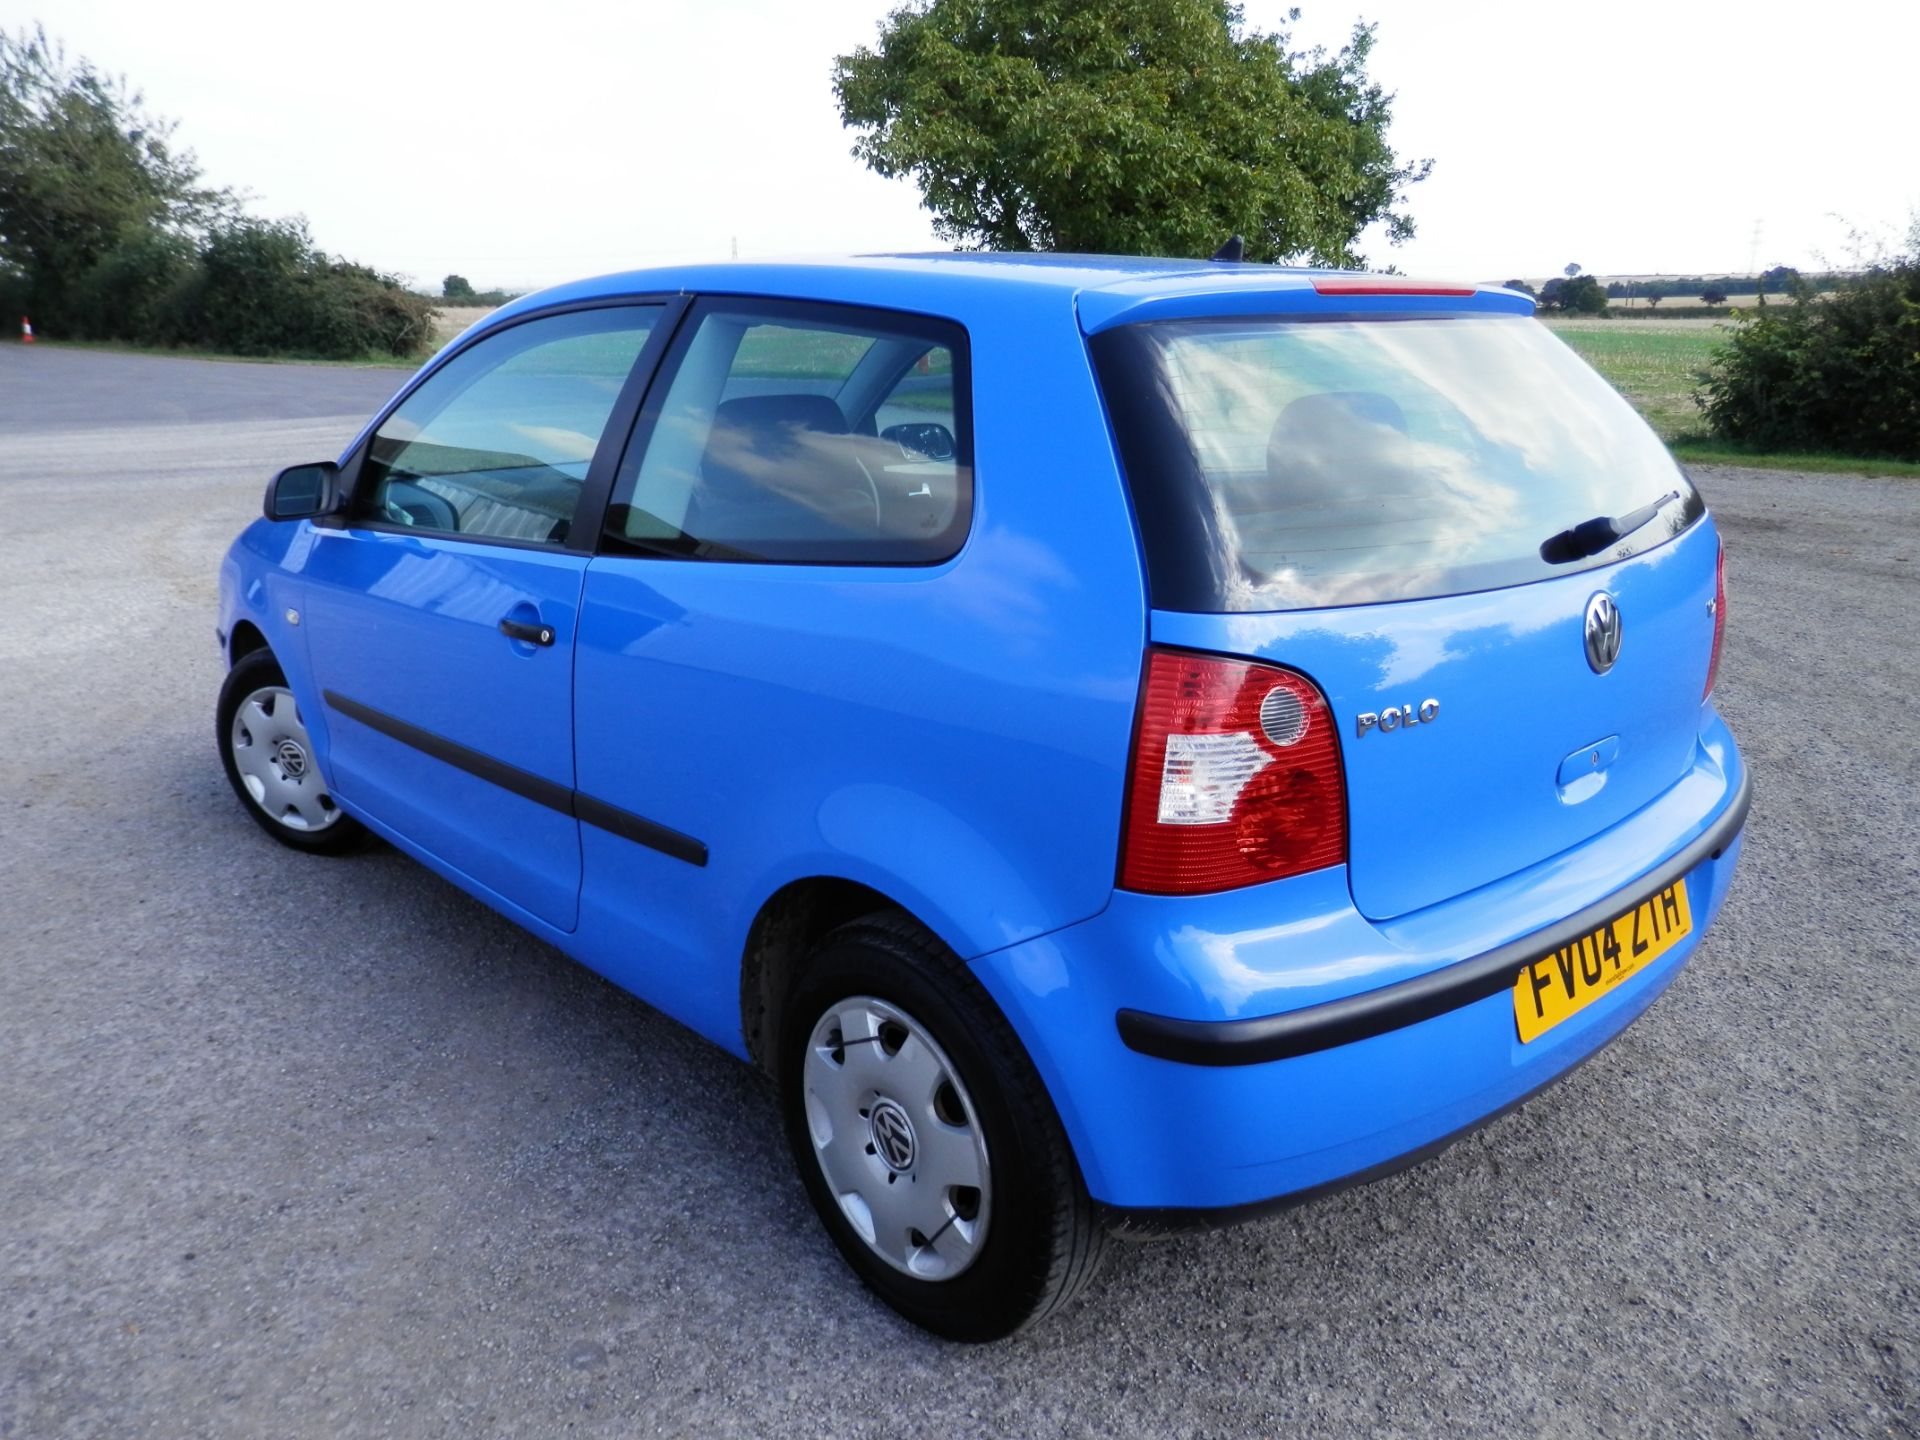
1392 1007
1224 1054
1153 1222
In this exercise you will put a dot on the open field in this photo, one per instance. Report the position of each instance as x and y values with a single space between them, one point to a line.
1639 302
1654 368
1736 300
450 320
1675 302
1655 364
1647 324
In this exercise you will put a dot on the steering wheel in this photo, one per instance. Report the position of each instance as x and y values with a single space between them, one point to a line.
402 502
873 490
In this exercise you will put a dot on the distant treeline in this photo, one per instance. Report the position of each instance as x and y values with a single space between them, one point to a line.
1669 312
1777 281
458 290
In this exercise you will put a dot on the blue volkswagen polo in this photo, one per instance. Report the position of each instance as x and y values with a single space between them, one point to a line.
1124 744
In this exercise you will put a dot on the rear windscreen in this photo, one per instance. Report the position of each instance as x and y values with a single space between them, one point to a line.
1282 464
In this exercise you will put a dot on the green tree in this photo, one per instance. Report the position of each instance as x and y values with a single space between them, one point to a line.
458 289
1579 295
1149 127
107 231
85 172
1713 295
1522 286
1571 271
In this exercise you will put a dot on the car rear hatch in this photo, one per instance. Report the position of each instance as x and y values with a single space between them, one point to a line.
1492 569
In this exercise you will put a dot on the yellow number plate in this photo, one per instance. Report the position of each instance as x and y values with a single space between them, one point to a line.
1568 980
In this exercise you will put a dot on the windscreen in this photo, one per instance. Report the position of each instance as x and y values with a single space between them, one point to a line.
1282 464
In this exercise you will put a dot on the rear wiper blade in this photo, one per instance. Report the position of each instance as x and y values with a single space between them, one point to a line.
1590 537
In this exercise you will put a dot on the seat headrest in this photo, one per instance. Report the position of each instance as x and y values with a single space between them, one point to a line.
775 415
1351 426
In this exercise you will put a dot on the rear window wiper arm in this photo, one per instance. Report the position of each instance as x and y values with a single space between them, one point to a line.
1590 537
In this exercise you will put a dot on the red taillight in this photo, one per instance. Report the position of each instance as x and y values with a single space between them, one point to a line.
1719 618
1386 285
1236 778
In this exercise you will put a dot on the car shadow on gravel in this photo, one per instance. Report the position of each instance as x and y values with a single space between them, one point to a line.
627 1115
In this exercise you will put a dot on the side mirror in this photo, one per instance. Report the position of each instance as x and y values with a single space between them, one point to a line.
928 440
300 492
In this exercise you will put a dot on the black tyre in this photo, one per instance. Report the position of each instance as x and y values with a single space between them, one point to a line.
269 760
926 1139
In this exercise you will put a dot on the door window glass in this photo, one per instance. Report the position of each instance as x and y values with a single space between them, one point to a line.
497 442
804 434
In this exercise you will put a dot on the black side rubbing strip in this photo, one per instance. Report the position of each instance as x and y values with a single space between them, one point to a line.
639 829
529 787
536 788
1392 1007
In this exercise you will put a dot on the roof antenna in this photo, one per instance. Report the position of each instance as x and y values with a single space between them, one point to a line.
1233 252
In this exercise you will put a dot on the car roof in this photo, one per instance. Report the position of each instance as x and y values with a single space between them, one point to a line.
1105 290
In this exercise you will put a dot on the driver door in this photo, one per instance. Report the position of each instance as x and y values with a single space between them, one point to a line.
440 619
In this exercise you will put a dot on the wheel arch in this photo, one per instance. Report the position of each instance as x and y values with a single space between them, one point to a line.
246 639
790 923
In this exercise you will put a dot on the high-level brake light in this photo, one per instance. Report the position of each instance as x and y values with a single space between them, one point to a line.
1387 285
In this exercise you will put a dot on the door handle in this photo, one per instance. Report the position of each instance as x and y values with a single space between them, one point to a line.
532 634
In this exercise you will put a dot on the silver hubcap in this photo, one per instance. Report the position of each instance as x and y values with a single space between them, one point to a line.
897 1138
275 760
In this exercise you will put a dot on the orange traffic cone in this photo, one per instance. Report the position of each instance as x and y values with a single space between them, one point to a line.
26 331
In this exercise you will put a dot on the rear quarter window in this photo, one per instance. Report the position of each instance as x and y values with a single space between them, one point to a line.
802 433
1299 463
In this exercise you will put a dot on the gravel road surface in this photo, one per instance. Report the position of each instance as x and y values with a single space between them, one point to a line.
292 1147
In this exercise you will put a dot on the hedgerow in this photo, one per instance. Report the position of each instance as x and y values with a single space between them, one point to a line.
1834 373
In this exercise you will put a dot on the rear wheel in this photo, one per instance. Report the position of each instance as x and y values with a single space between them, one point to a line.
926 1140
270 762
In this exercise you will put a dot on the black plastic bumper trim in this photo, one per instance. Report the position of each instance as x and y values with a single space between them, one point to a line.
1393 1007
536 788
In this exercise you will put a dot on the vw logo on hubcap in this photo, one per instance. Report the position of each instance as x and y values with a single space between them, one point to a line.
1602 632
892 1135
293 759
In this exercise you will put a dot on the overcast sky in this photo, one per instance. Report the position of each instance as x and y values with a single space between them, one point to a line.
527 143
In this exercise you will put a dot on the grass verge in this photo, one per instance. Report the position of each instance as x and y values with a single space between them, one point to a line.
1654 369
1696 450
117 347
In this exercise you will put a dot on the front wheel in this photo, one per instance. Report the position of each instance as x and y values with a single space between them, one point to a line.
269 760
926 1140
